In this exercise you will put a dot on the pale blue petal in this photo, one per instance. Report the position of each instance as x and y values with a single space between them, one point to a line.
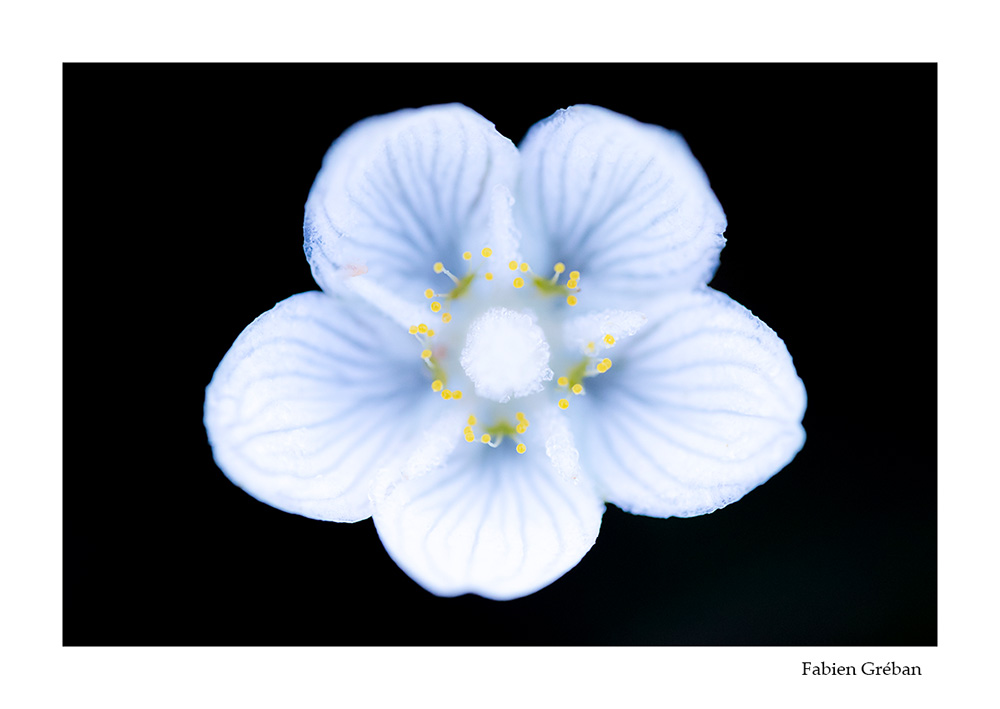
399 192
700 407
585 333
624 203
491 521
309 401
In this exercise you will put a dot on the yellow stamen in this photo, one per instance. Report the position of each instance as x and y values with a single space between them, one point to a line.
521 448
524 267
520 428
562 381
487 252
467 430
512 265
571 300
438 267
445 394
469 437
577 388
563 403
520 416
429 293
488 276
609 340
413 329
519 282
571 283
457 394
430 333
590 347
426 354
435 307
606 362
437 385
421 328
472 420
575 275
486 438
467 255
559 267
445 317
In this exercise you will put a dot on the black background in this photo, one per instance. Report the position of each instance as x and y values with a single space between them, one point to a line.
184 188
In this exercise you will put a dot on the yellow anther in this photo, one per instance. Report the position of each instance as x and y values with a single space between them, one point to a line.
571 283
487 252
559 267
438 267
571 300
563 403
426 354
562 381
519 282
512 265
609 340
429 293
488 276
435 307
578 388
430 333
457 394
421 328
601 368
472 420
520 416
445 394
445 317
413 329
590 347
437 385
467 255
575 275
524 267
469 437
606 362
467 430
486 438
521 448
521 428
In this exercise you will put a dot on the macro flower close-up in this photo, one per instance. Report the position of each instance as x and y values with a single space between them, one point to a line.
506 339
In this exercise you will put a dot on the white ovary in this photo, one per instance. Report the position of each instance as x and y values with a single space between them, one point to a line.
506 355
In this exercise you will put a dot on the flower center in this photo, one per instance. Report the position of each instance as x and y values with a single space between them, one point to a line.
506 355
504 350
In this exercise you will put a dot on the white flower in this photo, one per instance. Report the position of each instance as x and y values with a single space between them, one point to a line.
506 339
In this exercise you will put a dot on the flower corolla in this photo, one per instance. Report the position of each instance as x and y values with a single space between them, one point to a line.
505 340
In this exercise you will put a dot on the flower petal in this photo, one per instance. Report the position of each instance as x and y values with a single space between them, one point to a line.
624 203
308 401
399 192
587 333
491 521
699 408
504 235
